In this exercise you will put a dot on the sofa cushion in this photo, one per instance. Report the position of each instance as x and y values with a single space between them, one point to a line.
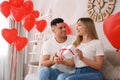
111 67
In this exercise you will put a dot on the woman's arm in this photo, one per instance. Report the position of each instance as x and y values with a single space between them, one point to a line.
97 64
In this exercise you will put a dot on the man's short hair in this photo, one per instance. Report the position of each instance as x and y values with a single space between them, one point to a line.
56 20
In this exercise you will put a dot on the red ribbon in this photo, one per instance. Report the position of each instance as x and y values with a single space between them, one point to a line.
63 49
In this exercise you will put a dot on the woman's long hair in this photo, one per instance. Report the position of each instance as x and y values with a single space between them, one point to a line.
91 31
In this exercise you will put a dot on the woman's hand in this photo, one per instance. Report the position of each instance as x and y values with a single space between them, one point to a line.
80 54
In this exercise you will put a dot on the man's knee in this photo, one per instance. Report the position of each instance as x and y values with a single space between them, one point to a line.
44 70
62 76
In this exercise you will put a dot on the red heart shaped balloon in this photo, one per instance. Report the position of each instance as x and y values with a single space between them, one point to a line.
10 35
28 6
28 22
16 3
5 8
40 25
35 13
111 28
68 30
20 43
18 13
106 26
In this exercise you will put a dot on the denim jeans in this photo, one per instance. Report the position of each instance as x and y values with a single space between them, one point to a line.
85 73
47 73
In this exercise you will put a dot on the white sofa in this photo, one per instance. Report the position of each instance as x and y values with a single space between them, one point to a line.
111 67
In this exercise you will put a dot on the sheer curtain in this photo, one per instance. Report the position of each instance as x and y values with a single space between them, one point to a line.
11 60
16 58
4 23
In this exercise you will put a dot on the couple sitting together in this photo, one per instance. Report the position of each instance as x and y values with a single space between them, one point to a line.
81 59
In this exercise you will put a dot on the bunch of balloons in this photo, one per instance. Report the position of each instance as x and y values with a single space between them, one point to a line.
21 10
11 36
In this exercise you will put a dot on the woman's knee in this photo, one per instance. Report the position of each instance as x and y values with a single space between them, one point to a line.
88 76
62 76
70 78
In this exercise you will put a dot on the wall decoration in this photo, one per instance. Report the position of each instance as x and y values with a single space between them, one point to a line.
99 10
20 10
9 35
20 43
5 8
28 22
41 25
68 30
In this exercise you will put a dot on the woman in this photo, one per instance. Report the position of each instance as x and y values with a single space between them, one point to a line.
89 53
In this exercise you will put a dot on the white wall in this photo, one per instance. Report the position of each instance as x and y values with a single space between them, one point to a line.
70 11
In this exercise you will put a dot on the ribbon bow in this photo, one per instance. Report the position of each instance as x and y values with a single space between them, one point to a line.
61 51
66 52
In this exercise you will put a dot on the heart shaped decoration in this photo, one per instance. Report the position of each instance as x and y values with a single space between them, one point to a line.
35 13
40 25
5 8
28 22
111 29
28 6
17 13
20 43
10 35
68 30
16 3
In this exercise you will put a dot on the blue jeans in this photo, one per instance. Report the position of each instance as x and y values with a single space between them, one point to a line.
47 73
86 73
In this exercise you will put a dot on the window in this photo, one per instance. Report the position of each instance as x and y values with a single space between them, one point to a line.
4 23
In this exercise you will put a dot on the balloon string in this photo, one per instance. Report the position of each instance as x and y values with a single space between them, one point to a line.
14 63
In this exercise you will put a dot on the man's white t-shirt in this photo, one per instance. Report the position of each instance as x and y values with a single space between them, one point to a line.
51 46
90 50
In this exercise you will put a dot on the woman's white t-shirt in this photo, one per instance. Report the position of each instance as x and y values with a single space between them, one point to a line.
90 50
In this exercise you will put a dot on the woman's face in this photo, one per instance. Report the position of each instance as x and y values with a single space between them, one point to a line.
81 28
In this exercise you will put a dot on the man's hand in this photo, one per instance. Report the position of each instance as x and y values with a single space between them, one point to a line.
57 59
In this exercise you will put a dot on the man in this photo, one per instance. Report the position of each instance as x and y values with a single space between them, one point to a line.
52 65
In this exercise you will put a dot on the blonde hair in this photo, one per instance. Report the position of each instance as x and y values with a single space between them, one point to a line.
91 31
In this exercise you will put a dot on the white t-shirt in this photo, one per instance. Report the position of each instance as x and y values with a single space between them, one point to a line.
51 46
90 50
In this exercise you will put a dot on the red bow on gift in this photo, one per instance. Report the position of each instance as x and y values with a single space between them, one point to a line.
61 55
63 49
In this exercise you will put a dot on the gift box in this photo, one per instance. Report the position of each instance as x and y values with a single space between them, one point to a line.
66 52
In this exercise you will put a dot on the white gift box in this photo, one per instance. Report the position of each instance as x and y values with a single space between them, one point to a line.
67 52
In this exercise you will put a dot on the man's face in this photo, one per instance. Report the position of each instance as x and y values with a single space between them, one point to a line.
60 30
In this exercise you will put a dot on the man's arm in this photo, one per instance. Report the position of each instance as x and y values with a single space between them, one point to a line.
68 62
46 61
